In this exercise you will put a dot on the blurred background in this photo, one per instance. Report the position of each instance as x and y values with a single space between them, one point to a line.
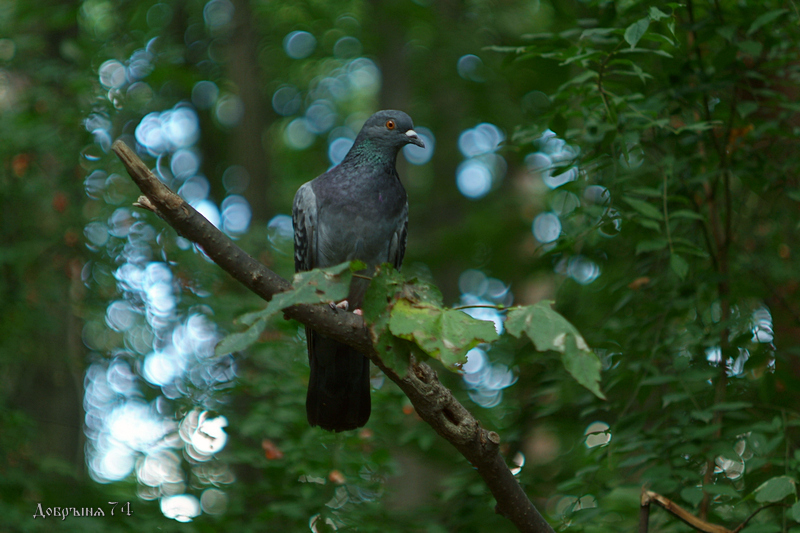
110 389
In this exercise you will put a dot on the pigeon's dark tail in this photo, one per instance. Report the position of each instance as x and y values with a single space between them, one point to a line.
338 388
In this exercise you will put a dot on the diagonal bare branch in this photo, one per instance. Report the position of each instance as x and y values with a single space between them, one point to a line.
434 403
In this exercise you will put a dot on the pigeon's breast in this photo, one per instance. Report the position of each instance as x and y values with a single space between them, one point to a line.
360 225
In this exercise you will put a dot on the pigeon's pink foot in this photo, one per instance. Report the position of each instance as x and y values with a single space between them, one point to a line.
344 304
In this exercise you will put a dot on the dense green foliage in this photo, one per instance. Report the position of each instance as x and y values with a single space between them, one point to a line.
658 139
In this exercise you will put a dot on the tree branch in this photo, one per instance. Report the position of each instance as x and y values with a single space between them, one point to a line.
699 524
434 403
673 508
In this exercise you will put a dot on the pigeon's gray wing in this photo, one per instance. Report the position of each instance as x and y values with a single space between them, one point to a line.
338 385
304 220
397 247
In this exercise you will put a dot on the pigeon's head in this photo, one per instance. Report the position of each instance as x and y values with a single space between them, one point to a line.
390 129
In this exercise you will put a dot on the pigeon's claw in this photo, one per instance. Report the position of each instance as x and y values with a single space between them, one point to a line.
344 304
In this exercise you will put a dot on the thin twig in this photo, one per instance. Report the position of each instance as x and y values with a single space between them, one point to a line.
673 508
754 513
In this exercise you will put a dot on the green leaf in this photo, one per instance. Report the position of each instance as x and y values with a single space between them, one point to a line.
766 18
641 73
444 334
652 192
386 284
752 48
696 127
548 330
656 14
315 286
672 397
596 32
794 195
746 108
650 246
704 416
635 31
686 213
236 342
649 224
656 51
692 495
644 208
775 489
679 265
724 490
727 33
794 512
732 406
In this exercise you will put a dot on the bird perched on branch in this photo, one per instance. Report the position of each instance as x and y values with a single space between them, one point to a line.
356 210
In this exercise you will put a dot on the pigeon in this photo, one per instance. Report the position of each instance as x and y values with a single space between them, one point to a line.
356 210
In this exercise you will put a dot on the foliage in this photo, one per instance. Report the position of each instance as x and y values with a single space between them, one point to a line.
684 126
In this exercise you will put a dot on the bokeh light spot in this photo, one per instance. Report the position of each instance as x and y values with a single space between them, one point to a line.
347 47
205 94
473 179
546 227
229 110
181 507
298 135
597 434
236 215
299 44
112 74
218 13
286 100
338 148
471 67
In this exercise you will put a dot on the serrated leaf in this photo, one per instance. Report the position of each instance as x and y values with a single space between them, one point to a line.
444 334
679 265
775 489
548 330
635 31
651 245
315 286
766 18
582 364
378 301
644 208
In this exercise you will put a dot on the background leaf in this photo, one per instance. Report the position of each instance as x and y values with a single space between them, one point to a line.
550 331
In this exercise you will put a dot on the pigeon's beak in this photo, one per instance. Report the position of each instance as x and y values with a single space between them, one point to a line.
413 138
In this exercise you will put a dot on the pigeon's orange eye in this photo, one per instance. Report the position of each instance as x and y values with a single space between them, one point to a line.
390 125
